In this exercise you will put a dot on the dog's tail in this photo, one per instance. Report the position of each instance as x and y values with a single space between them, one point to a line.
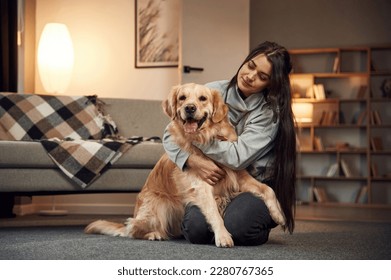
106 228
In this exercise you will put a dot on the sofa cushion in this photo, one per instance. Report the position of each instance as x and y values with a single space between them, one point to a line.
27 154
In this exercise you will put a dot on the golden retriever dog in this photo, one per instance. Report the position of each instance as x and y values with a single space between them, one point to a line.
198 114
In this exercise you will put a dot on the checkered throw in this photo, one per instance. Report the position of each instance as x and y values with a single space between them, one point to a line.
84 161
63 124
35 117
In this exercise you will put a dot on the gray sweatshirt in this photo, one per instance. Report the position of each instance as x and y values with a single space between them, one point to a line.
253 121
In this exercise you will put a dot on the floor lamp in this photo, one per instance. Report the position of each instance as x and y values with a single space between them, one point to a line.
55 65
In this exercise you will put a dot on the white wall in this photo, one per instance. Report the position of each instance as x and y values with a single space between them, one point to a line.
103 34
215 37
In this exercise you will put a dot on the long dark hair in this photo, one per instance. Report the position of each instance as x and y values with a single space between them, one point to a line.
278 95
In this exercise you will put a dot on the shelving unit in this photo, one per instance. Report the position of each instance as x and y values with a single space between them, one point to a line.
350 113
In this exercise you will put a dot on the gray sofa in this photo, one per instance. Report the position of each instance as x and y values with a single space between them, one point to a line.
26 169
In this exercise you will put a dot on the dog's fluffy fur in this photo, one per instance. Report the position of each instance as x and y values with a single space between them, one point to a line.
197 114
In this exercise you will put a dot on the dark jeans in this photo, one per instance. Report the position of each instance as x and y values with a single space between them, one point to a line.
246 218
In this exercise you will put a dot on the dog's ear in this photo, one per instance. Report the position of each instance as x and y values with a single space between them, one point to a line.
220 110
169 105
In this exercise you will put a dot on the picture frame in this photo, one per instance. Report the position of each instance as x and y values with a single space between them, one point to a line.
157 33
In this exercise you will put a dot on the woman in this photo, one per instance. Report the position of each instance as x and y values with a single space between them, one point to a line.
259 101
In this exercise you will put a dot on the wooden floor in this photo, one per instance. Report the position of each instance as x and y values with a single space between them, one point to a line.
303 212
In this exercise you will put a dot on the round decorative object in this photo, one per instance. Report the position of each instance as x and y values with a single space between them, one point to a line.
386 88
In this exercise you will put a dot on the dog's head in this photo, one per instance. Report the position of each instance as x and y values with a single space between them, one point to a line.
195 107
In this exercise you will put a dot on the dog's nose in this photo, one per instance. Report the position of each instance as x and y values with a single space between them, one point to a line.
190 109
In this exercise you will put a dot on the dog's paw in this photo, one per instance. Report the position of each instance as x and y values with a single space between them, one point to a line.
224 240
278 217
274 207
276 212
154 236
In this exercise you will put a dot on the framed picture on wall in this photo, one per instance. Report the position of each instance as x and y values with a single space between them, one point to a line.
157 33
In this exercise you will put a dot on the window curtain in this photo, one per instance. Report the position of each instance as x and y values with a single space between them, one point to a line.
8 46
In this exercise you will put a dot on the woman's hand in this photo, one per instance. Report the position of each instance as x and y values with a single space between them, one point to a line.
205 168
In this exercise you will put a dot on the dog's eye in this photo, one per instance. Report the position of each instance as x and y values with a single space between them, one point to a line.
202 98
182 97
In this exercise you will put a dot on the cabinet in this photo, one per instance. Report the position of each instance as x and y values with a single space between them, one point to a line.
343 121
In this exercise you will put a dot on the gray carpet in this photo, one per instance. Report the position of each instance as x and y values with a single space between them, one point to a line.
311 241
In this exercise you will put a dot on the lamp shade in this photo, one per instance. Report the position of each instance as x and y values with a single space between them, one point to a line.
55 57
302 112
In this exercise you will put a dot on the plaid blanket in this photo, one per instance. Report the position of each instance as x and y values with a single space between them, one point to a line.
84 161
32 116
63 124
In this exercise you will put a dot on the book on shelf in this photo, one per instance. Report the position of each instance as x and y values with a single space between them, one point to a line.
322 118
333 170
316 91
361 117
319 92
362 90
375 117
328 118
336 65
362 195
320 194
332 118
346 169
376 144
318 144
374 170
309 93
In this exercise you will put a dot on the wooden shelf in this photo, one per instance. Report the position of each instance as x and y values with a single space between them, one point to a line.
385 152
381 73
344 73
349 100
380 99
348 204
314 51
335 151
337 178
340 126
333 75
381 179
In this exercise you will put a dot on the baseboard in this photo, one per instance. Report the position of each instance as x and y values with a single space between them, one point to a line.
73 208
24 209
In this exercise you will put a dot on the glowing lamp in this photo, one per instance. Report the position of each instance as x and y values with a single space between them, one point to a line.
55 57
302 112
